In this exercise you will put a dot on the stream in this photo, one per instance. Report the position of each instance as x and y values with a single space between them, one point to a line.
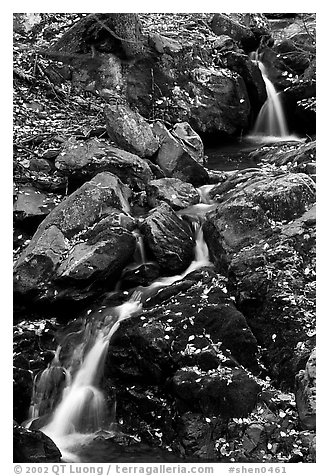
77 414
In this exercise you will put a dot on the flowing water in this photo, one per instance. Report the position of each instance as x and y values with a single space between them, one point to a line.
72 389
271 125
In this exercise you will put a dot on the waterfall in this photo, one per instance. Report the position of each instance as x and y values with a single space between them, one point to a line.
82 410
271 123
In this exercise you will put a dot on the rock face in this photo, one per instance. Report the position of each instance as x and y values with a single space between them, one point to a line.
175 192
251 75
169 239
306 394
84 159
176 160
256 235
84 238
31 446
129 130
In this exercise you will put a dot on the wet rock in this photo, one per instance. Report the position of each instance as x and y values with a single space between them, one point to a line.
226 391
168 238
259 235
23 383
251 75
306 394
31 446
175 192
289 154
175 159
84 159
129 130
190 323
58 236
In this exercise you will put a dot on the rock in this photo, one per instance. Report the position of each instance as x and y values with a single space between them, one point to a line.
234 225
102 253
251 75
295 57
190 141
47 257
32 205
40 165
162 44
197 436
129 130
254 437
306 394
84 159
176 193
259 236
175 160
298 158
168 238
31 446
221 103
222 24
224 43
23 384
226 391
190 323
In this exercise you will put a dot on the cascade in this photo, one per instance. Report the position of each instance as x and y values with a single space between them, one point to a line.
271 122
81 410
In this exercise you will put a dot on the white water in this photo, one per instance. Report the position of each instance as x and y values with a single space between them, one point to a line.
271 125
82 408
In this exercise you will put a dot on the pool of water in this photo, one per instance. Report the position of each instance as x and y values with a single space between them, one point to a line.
232 156
236 155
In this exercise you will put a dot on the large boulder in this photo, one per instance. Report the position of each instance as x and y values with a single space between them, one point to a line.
129 130
223 24
262 235
190 323
32 446
306 394
80 239
84 159
251 75
221 103
168 239
187 329
176 160
175 192
227 391
190 89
